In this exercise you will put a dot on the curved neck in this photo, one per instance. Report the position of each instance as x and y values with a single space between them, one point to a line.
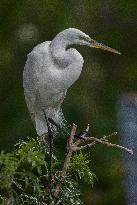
58 50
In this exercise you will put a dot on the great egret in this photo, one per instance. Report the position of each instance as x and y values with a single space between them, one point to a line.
51 68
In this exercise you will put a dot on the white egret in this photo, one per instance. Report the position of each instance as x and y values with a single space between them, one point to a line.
51 68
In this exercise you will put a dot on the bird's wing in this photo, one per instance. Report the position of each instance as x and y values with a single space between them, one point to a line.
63 95
30 80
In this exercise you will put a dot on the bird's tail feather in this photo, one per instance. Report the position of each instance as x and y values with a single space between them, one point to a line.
62 122
57 117
40 125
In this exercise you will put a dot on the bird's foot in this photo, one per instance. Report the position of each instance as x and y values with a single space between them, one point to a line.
83 134
80 136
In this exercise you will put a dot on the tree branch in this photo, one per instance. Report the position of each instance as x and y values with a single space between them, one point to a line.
75 145
65 165
101 141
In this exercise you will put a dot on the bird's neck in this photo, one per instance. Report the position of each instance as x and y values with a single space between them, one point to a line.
58 50
69 60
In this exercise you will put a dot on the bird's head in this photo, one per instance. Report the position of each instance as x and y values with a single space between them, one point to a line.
75 36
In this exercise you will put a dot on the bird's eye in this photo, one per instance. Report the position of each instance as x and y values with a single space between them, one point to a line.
82 37
85 38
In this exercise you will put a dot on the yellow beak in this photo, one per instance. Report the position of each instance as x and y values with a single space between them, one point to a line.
95 44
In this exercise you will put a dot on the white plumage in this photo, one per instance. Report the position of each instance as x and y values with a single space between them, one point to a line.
51 68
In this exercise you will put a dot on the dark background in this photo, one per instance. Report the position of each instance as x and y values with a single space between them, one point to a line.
93 98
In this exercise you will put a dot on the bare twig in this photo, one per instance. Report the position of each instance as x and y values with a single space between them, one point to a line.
110 135
66 163
69 154
102 141
76 146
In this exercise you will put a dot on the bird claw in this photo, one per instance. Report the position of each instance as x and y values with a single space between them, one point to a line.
80 136
83 134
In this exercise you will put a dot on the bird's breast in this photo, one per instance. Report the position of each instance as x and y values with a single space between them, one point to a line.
54 81
71 74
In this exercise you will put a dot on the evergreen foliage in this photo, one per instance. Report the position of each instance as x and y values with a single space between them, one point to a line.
24 175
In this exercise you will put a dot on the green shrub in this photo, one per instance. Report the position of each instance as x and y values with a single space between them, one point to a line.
24 176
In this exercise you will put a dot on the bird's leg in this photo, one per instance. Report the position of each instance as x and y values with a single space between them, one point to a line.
50 146
57 125
81 135
54 123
